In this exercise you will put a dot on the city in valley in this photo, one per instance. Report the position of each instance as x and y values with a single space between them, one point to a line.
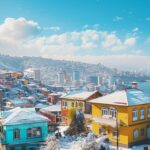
74 75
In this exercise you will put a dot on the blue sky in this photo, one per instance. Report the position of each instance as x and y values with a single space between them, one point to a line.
98 30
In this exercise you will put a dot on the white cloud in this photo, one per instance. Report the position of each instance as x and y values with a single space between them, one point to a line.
115 44
118 18
22 37
130 41
135 29
55 28
96 26
137 52
148 19
148 40
19 28
85 26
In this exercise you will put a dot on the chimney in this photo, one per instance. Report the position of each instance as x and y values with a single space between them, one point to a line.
134 85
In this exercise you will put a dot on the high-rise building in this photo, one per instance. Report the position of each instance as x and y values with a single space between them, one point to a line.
76 75
92 79
33 73
37 74
60 77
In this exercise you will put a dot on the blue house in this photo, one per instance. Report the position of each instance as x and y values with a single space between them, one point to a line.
23 129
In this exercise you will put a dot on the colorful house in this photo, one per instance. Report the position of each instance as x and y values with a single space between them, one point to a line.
23 129
71 102
53 98
124 116
52 112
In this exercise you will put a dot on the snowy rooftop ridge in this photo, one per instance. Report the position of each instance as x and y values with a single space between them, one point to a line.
52 108
23 116
128 97
79 95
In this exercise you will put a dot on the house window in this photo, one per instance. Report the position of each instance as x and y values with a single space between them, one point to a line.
34 132
113 112
148 112
16 134
72 104
65 104
115 133
81 104
32 148
12 148
51 128
142 113
104 111
136 133
142 132
23 147
76 104
102 131
135 115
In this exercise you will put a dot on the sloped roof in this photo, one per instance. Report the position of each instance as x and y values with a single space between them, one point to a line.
52 108
23 116
129 97
79 95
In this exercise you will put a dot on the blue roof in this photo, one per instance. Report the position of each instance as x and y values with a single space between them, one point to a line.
137 97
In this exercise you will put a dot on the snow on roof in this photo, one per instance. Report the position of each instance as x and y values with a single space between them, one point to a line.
23 116
79 95
52 108
129 97
19 101
40 105
54 94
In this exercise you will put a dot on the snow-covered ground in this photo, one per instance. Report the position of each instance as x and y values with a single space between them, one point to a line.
140 147
70 144
76 143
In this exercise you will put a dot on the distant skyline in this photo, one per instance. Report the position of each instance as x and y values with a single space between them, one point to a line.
115 33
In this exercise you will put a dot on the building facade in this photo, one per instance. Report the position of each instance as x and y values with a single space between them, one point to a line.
124 116
71 102
23 129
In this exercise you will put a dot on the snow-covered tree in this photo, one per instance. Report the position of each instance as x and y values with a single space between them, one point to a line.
52 144
77 125
88 144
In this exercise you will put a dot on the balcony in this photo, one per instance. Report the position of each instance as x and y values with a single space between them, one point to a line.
88 116
106 120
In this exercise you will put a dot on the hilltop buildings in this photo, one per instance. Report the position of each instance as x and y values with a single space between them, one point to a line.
33 73
123 115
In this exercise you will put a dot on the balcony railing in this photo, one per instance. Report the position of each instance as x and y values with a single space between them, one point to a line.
106 120
88 116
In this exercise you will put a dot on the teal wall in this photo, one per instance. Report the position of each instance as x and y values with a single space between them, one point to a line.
8 132
27 147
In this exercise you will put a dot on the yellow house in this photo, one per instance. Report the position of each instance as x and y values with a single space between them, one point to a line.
78 100
124 116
